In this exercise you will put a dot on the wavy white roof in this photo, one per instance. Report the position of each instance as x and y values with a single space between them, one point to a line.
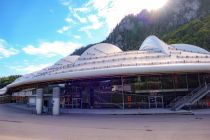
152 43
189 48
3 90
70 59
154 56
101 49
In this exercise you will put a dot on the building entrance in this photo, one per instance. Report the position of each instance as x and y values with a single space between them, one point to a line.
155 101
76 103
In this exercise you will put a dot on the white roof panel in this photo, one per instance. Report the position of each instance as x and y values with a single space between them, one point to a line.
70 59
152 43
101 49
105 59
189 48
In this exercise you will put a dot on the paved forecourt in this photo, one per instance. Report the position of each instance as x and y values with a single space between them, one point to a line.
16 124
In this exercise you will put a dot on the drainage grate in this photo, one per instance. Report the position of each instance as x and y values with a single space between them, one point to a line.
10 121
148 130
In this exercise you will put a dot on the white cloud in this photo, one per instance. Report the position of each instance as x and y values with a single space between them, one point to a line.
50 49
65 2
81 19
63 29
33 68
88 33
5 50
100 5
69 20
93 18
82 9
114 10
76 36
29 68
94 14
96 24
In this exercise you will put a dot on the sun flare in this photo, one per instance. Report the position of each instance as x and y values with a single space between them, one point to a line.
118 9
154 4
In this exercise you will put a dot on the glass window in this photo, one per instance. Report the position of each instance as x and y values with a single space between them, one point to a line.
180 81
167 82
193 81
153 82
143 83
131 84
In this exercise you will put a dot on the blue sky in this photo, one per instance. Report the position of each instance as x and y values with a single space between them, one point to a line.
37 33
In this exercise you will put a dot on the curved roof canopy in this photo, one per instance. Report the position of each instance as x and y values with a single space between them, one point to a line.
70 59
152 43
189 48
3 91
154 56
101 49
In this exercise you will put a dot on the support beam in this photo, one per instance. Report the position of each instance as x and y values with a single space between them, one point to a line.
39 100
56 101
123 98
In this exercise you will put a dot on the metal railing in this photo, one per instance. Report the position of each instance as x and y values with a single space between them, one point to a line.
102 101
192 97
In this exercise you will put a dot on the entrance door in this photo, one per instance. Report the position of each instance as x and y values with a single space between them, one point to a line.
152 102
159 102
76 103
155 101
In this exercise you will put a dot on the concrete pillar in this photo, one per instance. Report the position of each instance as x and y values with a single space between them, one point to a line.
39 100
56 101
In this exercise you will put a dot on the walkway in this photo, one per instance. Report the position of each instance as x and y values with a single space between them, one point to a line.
16 124
108 111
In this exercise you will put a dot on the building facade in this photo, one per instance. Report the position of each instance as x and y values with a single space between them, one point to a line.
157 75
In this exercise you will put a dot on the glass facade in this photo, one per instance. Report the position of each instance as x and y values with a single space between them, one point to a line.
140 91
5 99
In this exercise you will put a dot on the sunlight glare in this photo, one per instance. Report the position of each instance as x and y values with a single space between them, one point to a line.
154 4
118 9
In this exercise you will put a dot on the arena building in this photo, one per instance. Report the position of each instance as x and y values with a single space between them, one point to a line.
157 75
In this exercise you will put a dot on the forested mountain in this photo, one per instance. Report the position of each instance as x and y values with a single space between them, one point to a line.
195 32
7 80
177 22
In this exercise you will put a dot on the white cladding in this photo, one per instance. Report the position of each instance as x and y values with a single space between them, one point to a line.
154 56
25 92
67 60
56 101
99 50
153 43
3 91
32 100
39 100
189 48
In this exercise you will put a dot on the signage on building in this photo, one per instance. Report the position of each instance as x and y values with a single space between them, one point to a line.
23 93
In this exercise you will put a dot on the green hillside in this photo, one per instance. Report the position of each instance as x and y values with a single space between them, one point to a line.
196 32
183 21
7 80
